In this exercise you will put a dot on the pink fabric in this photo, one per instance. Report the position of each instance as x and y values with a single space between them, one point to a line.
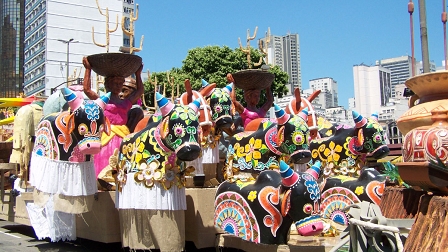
247 116
101 159
117 115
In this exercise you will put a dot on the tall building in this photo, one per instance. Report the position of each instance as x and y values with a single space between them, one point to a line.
329 91
58 35
372 86
401 69
284 51
11 42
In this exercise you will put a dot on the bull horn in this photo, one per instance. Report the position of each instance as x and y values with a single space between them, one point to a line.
73 100
304 114
204 83
374 116
103 100
282 116
228 88
195 105
358 119
314 170
289 177
164 104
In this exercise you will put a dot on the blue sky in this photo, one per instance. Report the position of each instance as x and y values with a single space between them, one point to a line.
334 35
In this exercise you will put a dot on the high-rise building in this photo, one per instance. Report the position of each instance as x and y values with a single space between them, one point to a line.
11 42
329 91
58 35
372 86
401 69
284 51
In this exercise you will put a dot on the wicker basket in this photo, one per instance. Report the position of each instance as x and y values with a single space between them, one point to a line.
253 79
114 64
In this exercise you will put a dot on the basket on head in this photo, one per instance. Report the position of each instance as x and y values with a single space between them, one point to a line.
253 79
114 64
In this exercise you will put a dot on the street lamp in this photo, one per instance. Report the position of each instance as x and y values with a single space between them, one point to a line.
68 52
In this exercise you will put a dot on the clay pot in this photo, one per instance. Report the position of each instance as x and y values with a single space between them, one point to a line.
428 142
431 91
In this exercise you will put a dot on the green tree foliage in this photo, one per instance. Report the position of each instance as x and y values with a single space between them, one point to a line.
212 63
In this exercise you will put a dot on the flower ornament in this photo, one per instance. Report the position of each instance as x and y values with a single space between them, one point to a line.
252 196
171 176
148 173
332 152
121 176
298 138
179 130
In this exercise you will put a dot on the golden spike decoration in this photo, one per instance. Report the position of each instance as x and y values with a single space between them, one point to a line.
131 31
108 31
264 49
155 88
171 83
247 50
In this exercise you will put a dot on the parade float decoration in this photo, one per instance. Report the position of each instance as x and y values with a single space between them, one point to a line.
341 148
215 116
425 125
263 210
61 168
151 179
252 152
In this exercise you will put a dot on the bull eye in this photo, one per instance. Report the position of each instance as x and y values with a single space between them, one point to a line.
298 138
82 129
308 208
179 130
377 138
218 108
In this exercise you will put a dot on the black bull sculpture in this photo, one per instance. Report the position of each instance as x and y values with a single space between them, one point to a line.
262 211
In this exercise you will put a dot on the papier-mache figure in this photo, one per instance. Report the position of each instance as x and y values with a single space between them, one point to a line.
116 111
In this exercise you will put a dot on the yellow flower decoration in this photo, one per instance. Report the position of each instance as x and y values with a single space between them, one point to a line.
252 196
147 174
332 152
359 190
171 176
251 149
137 155
239 150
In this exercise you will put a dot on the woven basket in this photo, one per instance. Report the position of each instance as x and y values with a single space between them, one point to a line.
114 64
253 79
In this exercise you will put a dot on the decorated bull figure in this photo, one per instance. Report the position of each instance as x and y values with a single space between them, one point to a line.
62 169
151 178
343 148
260 150
262 211
149 156
342 191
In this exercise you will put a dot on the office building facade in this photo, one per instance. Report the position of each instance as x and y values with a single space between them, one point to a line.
11 42
284 51
329 91
401 70
372 85
58 34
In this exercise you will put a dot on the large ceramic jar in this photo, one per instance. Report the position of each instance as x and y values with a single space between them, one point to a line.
431 92
428 142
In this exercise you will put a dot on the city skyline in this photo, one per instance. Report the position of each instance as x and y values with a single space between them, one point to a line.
333 38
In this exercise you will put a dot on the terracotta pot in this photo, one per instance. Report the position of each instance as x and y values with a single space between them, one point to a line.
428 142
431 91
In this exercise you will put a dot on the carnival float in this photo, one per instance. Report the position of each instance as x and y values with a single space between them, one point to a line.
293 182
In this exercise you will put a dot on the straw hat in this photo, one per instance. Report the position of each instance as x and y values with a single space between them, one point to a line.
114 64
253 79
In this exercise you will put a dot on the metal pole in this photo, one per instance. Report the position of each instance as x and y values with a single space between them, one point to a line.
424 35
444 32
411 11
68 55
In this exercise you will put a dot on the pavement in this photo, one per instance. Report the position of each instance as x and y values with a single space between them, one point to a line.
17 237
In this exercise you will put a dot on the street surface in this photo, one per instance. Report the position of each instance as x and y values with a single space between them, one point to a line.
16 237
